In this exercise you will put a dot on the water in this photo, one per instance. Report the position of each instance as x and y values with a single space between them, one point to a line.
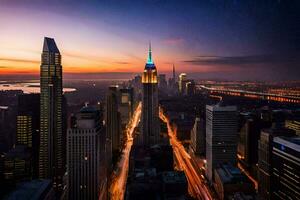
28 87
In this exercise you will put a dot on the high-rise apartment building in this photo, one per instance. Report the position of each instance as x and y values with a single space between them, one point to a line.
221 137
51 157
85 155
150 109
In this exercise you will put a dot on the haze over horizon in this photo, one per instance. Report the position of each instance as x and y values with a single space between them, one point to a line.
247 40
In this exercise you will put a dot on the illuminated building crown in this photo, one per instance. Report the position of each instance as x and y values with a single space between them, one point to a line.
150 73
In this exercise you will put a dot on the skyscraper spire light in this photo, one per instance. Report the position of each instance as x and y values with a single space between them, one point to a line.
150 61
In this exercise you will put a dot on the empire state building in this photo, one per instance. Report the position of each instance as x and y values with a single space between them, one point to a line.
150 115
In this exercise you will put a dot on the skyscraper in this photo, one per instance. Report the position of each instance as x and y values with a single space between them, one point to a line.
113 122
126 104
182 83
172 82
85 155
221 137
150 118
51 162
248 141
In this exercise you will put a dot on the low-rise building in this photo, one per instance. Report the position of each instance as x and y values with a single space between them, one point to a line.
33 190
229 180
174 184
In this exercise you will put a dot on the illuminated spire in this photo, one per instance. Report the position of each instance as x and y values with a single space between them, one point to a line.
150 61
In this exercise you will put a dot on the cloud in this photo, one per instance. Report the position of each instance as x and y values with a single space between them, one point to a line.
3 67
19 60
122 63
173 41
84 57
94 58
243 60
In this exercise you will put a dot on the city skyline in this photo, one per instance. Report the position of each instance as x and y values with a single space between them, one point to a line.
151 99
143 139
232 40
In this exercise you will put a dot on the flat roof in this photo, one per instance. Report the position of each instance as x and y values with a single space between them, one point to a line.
174 177
31 190
291 142
229 173
221 108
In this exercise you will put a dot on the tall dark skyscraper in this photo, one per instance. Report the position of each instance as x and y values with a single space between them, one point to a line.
113 123
51 162
150 118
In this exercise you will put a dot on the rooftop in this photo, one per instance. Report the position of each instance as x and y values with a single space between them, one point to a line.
174 177
220 107
291 142
88 109
20 151
50 45
231 174
32 190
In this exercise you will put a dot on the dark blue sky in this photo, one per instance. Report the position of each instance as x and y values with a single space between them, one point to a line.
232 39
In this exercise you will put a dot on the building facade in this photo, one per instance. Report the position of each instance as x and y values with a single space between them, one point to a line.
198 136
28 126
182 83
229 180
221 137
265 146
248 142
85 155
51 162
285 168
150 109
113 121
126 105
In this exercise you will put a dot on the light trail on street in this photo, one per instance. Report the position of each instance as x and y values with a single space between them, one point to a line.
196 186
118 184
248 175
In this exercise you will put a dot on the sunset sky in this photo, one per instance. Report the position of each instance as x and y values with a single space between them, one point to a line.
207 38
